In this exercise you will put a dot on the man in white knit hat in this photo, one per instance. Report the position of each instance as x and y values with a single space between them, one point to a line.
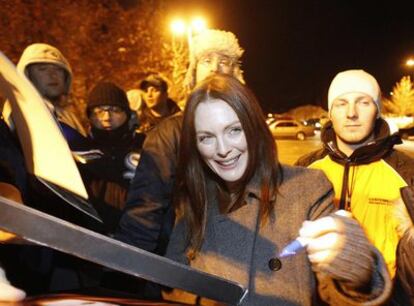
368 174
354 103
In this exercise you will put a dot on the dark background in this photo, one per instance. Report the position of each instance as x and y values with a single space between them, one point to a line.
293 48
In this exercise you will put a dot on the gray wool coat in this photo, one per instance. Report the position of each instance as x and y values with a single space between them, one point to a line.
238 248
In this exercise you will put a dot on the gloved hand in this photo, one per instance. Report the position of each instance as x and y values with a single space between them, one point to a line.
10 192
337 246
6 236
8 293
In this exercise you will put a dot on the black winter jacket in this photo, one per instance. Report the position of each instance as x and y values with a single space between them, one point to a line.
148 218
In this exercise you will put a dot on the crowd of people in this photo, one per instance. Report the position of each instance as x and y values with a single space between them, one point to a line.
204 187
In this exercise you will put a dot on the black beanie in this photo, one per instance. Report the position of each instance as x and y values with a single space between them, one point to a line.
107 93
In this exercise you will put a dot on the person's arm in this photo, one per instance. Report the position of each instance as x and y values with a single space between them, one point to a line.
10 192
350 271
405 250
148 217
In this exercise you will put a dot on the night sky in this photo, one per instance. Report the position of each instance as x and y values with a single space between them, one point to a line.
294 48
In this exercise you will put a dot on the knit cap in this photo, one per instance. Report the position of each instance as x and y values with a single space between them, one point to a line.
107 93
354 81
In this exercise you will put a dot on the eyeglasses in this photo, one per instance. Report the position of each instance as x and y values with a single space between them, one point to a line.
112 109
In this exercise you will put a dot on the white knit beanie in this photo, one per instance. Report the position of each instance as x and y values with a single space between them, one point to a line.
354 81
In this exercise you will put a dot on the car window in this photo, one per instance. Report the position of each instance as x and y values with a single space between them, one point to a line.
286 124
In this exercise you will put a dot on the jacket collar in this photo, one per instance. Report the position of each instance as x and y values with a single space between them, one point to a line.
378 148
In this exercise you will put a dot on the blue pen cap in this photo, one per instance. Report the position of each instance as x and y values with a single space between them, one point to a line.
291 249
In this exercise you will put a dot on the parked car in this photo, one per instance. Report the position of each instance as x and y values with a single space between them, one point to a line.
407 132
315 122
291 128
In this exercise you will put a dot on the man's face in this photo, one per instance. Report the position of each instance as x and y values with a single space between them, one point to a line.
213 63
154 97
353 118
49 79
108 117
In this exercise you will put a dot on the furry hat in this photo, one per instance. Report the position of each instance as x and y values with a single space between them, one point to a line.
354 81
214 41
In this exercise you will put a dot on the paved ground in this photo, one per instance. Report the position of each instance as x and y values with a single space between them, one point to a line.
290 150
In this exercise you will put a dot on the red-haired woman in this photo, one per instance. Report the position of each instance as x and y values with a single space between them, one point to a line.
237 207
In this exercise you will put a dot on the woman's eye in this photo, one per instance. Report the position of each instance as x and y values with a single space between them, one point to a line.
236 130
205 139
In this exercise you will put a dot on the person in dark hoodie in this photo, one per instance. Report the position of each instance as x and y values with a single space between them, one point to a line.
359 158
109 173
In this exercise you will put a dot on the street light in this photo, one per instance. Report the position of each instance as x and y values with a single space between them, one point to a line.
198 24
410 62
180 27
184 29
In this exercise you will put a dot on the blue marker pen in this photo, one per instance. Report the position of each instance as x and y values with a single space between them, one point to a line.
300 243
294 247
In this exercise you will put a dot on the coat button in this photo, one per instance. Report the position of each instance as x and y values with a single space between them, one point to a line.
275 264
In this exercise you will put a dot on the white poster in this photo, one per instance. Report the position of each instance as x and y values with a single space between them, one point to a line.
45 149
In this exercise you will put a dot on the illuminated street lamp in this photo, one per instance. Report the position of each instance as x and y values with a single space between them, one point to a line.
184 30
198 25
180 27
409 62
